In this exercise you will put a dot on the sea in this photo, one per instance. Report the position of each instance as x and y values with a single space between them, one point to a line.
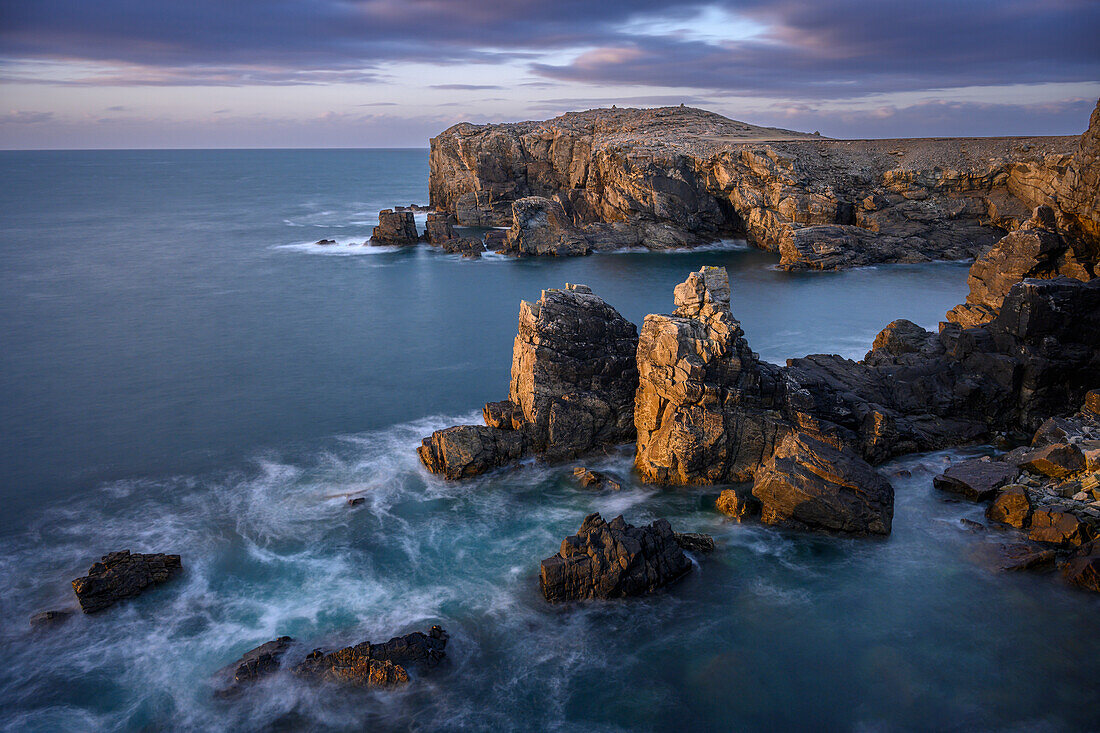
183 370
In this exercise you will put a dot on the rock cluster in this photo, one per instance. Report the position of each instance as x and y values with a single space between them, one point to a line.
395 228
121 575
613 560
680 176
572 389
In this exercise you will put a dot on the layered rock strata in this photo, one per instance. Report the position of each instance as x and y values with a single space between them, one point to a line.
121 575
572 389
395 228
614 560
679 176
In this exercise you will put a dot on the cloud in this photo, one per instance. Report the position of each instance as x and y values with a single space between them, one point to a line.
24 117
466 87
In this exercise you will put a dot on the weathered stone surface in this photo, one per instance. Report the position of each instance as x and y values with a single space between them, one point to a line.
695 542
976 479
738 503
1083 567
595 479
812 482
1057 527
540 226
1012 506
495 239
613 560
375 665
1057 461
254 665
395 228
572 389
465 246
1078 191
122 575
438 229
819 203
1092 401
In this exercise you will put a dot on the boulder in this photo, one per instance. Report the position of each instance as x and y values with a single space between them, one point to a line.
1056 461
1056 526
254 665
1082 569
813 481
613 560
1012 506
976 479
463 451
121 575
395 228
540 226
325 242
438 229
465 246
738 503
1026 557
695 542
595 479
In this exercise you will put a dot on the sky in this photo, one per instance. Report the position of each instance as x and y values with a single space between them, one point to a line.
393 73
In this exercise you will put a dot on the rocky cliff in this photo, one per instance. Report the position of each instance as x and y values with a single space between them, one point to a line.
677 176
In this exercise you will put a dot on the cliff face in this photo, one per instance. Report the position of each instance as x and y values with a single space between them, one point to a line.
677 176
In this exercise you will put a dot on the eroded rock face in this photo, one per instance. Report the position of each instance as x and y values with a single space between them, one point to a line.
122 575
821 204
438 229
613 560
541 227
465 246
395 228
977 479
702 409
375 665
254 665
817 482
572 389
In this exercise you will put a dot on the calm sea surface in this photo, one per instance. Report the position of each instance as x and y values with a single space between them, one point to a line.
182 370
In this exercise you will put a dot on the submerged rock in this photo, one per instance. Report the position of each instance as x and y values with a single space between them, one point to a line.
613 560
254 665
46 619
122 575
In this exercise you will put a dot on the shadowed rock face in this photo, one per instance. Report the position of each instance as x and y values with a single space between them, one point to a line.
679 176
613 560
375 665
572 389
395 228
122 575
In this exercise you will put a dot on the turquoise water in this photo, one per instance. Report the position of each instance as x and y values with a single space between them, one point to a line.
183 371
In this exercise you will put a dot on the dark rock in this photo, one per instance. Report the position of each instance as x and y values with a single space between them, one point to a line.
356 500
254 665
463 451
811 482
1082 569
45 619
465 246
495 239
1056 461
121 575
976 479
738 503
1055 526
1092 401
540 226
613 560
326 241
376 665
1012 506
1053 430
1026 557
900 337
395 228
695 542
438 229
595 479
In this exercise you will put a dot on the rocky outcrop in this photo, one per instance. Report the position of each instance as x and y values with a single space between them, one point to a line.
395 228
590 479
613 560
438 229
375 665
572 389
465 246
122 575
254 665
540 227
679 176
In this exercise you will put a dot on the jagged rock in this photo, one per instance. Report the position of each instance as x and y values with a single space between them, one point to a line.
438 229
820 203
572 389
1053 430
1092 401
495 239
701 411
540 226
976 479
1057 527
814 482
1035 250
695 542
375 665
465 246
1012 506
1057 461
595 479
395 228
613 560
254 665
1083 567
46 619
121 575
325 241
738 503
898 338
